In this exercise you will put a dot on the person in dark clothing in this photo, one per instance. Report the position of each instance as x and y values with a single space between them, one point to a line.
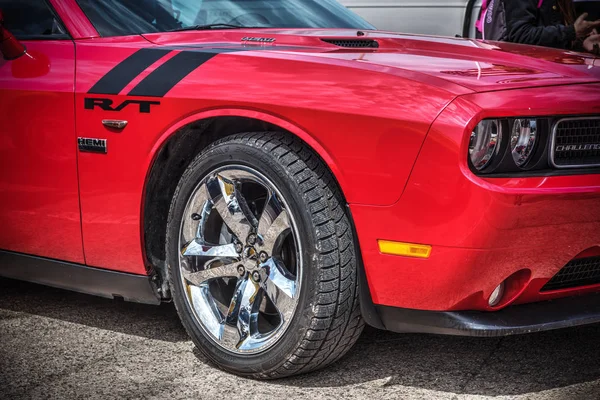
554 24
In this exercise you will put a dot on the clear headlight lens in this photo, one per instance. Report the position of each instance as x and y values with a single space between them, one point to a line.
485 142
522 140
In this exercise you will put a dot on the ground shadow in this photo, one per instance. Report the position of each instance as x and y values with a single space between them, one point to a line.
149 321
507 366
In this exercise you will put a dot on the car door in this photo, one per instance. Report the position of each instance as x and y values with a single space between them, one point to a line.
39 201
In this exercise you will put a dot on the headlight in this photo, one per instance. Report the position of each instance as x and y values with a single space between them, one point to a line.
522 140
485 141
512 146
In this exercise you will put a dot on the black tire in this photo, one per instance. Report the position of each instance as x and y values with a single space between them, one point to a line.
327 320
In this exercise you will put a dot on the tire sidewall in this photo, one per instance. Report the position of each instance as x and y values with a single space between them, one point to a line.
238 153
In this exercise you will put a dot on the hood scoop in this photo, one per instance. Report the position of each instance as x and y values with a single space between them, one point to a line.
353 43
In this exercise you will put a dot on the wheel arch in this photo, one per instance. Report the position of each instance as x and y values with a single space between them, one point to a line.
176 148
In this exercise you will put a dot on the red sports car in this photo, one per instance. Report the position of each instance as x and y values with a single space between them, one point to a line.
282 172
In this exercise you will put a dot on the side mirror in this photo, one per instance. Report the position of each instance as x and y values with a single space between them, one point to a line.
10 47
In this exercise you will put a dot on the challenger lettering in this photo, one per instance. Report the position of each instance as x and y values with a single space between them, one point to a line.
578 147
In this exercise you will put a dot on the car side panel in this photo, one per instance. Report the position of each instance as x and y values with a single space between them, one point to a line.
368 127
39 203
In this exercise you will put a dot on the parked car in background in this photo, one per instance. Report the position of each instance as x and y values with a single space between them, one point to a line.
434 17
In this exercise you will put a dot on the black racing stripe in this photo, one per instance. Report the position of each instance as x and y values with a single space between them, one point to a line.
126 71
165 77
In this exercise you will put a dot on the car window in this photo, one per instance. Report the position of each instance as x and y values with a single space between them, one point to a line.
129 17
31 19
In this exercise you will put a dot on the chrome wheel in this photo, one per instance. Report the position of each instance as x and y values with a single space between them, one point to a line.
240 260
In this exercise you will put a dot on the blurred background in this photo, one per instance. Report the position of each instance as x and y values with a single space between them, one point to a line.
434 17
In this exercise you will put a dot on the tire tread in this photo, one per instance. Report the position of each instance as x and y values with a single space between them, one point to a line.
336 323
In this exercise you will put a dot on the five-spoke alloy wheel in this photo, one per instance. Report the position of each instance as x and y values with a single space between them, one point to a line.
240 259
261 256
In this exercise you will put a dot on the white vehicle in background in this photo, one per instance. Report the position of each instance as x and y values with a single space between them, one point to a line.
434 17
431 17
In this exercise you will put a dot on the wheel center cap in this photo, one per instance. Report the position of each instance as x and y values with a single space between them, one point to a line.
250 253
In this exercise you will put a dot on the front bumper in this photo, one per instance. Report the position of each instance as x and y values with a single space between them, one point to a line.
514 320
483 230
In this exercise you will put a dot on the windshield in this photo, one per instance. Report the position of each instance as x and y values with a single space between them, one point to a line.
130 17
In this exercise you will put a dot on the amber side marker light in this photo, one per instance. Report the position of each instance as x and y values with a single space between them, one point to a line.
404 249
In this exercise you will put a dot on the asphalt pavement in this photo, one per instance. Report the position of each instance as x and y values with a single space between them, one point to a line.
56 344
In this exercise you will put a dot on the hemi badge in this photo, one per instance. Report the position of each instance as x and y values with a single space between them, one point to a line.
92 145
114 123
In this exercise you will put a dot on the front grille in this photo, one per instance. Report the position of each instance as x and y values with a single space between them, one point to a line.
353 43
579 272
576 143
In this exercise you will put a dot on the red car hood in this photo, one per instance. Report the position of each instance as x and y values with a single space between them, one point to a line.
475 65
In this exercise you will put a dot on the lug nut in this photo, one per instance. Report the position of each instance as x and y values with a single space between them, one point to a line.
263 257
251 239
241 270
238 247
196 217
256 276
